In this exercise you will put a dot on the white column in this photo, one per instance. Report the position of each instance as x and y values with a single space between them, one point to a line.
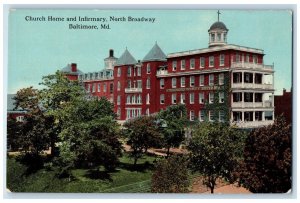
243 117
263 115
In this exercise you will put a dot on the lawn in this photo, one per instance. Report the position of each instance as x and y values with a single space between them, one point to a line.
124 179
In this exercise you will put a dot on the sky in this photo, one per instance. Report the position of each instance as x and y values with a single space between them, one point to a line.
39 48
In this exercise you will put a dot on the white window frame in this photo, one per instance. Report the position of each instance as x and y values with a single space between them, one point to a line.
211 61
118 85
210 115
128 99
201 80
182 64
162 83
139 84
192 63
147 112
174 98
148 68
129 71
192 98
201 116
139 72
104 87
174 65
182 98
202 59
182 82
192 81
162 98
221 79
221 116
99 87
148 83
221 97
222 59
119 72
211 97
174 82
118 100
211 79
148 99
192 115
201 98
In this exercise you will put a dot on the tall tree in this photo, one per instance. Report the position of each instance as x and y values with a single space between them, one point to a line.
268 159
141 133
174 120
215 150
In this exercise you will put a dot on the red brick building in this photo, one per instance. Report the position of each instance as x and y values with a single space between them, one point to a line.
283 105
221 82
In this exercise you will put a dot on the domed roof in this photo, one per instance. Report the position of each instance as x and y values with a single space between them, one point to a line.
218 25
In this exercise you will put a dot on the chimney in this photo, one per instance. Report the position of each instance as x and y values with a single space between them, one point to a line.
284 90
111 53
73 67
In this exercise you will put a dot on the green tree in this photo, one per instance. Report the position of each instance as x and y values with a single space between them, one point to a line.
268 159
14 131
141 133
174 119
170 175
215 150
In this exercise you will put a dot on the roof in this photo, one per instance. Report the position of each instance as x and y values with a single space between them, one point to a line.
126 59
218 25
68 69
216 48
155 54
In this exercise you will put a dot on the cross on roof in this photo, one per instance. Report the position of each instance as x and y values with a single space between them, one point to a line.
218 14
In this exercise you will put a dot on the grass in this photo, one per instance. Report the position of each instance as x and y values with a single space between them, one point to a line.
125 178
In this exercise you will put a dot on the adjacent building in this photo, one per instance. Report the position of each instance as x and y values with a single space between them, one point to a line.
221 82
283 105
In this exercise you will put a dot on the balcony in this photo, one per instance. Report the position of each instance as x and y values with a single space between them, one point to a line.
251 66
133 90
251 124
253 86
161 72
266 104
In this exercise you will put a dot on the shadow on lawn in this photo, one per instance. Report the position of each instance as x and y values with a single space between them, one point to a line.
96 174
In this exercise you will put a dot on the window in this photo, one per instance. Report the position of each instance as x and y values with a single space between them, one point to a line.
192 98
174 98
221 116
174 82
221 79
201 80
133 101
255 59
111 88
248 77
258 115
182 81
128 99
20 118
192 81
119 71
118 85
162 98
148 68
119 112
237 116
128 83
118 99
192 63
174 65
148 98
212 37
211 115
237 97
221 97
139 71
211 97
162 83
99 87
129 71
201 115
211 61
248 97
202 62
104 87
139 99
222 58
148 83
192 115
237 57
182 98
219 37
182 67
237 77
139 84
248 116
201 98
128 113
247 58
147 112
211 79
